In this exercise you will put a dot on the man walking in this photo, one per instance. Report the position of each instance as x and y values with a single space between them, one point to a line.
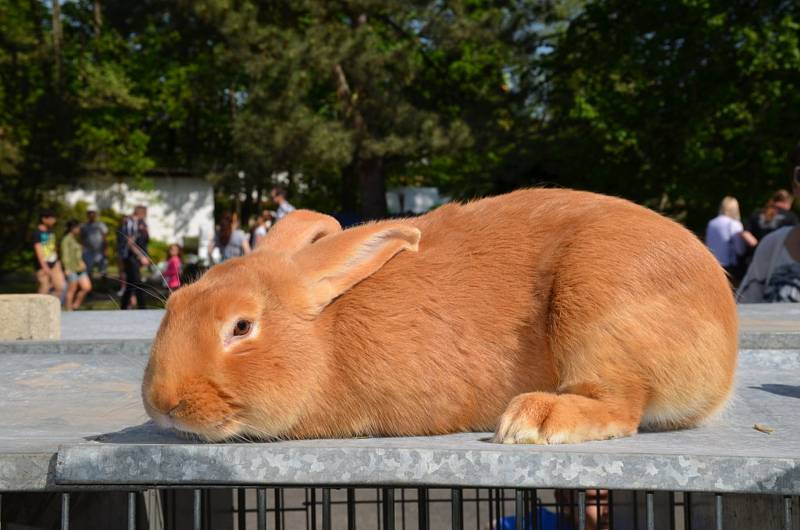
93 239
279 197
133 253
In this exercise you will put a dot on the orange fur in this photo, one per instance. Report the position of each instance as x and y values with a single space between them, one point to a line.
551 316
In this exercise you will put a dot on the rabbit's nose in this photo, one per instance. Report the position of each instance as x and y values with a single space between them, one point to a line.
161 398
176 409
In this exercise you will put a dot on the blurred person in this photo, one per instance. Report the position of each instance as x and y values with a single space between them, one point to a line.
172 273
122 244
775 214
78 282
229 240
134 255
774 273
724 239
597 510
256 224
283 207
49 273
93 235
260 229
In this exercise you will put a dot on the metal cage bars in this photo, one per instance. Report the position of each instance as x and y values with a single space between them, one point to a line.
525 501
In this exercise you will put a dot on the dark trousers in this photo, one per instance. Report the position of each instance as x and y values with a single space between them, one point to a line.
133 284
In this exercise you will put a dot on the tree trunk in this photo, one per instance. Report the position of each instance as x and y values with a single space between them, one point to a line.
371 181
372 185
98 17
57 38
232 103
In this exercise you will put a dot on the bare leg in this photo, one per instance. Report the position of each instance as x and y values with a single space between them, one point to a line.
85 286
72 287
44 281
58 281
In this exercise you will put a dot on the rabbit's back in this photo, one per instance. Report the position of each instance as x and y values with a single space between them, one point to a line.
538 290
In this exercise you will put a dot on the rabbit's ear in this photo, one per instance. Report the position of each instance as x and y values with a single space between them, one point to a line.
335 264
297 230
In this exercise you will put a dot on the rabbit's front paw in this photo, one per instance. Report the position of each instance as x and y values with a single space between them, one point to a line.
544 418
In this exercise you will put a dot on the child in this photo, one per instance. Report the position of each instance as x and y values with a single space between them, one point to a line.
172 274
48 268
78 283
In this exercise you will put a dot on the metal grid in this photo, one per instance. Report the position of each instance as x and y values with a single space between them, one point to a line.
423 509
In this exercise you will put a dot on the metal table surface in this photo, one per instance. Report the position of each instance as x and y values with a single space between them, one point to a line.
72 417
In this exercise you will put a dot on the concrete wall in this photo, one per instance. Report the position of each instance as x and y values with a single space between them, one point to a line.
177 207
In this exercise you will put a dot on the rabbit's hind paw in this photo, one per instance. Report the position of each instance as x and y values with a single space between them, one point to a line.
544 418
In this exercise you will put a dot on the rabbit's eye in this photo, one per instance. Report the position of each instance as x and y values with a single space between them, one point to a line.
242 328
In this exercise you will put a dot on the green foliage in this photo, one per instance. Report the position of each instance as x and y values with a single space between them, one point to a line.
158 250
677 103
671 103
348 95
128 87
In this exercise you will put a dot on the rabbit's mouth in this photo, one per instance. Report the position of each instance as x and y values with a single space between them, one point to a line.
196 406
230 429
227 429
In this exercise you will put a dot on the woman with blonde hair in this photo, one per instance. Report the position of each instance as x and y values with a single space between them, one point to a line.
724 238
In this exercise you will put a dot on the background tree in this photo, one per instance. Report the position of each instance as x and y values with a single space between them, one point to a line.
672 103
364 91
32 140
108 91
675 104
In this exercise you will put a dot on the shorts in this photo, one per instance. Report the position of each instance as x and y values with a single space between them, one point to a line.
38 267
73 277
95 260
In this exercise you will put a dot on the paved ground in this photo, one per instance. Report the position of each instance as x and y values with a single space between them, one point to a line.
105 325
82 325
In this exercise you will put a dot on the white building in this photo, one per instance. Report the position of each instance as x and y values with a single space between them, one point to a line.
177 207
413 200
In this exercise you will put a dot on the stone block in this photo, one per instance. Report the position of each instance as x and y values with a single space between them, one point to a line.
29 317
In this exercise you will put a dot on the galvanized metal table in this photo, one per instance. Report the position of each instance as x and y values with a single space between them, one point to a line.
72 417
75 418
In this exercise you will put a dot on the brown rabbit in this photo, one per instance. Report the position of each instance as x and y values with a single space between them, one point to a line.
550 316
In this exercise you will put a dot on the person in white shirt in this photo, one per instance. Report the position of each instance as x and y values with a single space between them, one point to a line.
724 238
279 197
262 226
